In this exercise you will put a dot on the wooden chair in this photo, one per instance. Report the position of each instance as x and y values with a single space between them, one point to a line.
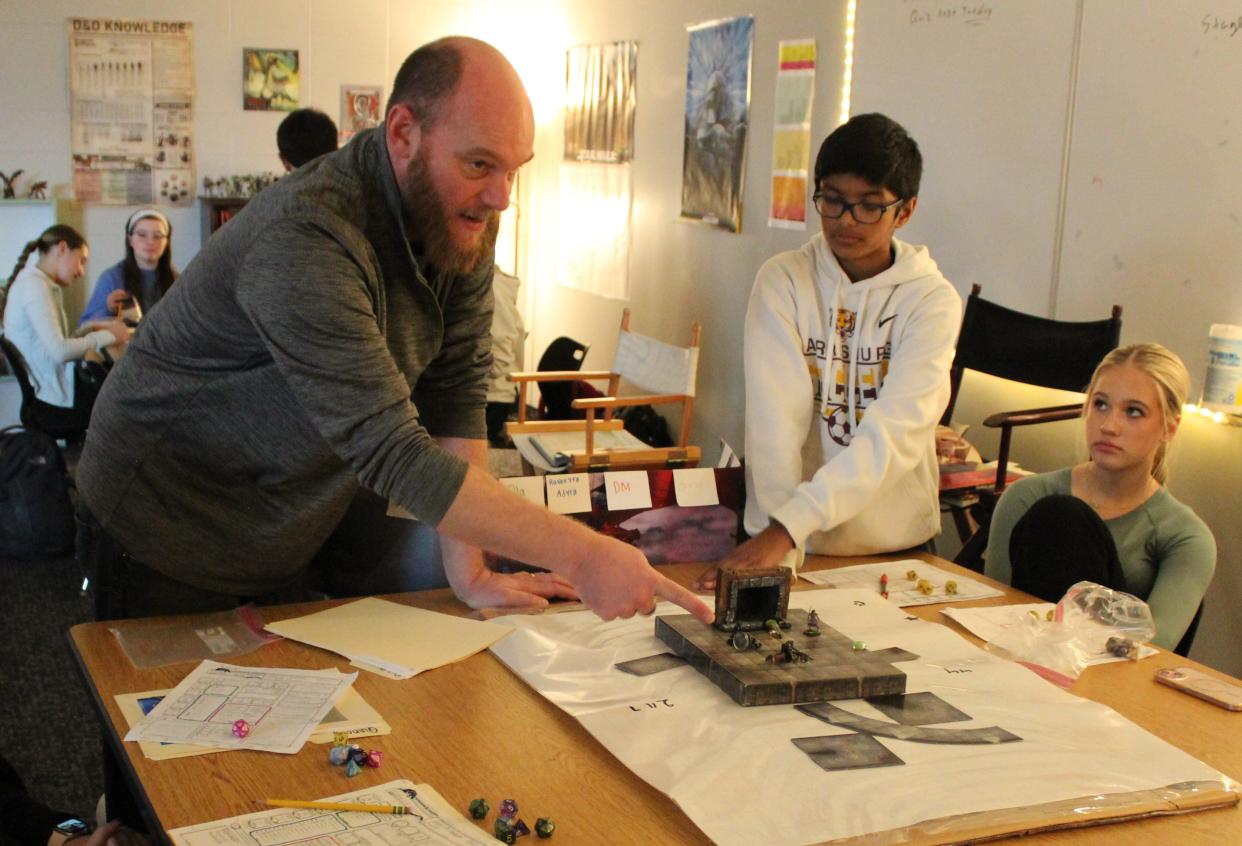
600 442
1023 348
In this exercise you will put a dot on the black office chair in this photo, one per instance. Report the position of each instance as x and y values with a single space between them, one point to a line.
1023 348
1188 639
31 406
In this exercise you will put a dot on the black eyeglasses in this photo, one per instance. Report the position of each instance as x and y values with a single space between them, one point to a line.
832 207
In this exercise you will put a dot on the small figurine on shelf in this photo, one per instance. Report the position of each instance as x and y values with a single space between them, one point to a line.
38 190
9 191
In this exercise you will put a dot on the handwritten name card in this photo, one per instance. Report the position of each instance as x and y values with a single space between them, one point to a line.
569 493
627 489
696 486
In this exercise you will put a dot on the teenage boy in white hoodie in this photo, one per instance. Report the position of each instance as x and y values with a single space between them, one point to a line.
848 344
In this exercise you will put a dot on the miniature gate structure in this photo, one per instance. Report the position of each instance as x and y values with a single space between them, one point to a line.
795 662
836 670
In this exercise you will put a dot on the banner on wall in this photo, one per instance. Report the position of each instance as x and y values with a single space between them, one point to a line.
791 142
601 96
131 111
596 182
717 122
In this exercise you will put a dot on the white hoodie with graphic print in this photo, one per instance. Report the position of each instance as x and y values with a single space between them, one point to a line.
840 489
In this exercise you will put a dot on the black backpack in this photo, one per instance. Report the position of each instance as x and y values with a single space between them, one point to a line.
36 516
646 424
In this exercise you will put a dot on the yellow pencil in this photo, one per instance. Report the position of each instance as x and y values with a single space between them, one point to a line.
338 806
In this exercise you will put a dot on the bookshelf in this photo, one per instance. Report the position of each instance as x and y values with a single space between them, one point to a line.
216 211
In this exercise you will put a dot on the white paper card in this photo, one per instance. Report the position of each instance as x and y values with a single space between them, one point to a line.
429 819
527 487
902 590
696 486
627 489
568 494
398 640
282 707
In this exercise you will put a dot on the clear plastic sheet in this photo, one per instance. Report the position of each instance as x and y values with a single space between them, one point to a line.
1182 798
1087 620
149 644
676 730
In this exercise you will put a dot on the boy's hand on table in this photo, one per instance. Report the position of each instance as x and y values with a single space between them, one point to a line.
763 551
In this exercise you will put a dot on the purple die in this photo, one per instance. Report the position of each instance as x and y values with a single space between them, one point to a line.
508 808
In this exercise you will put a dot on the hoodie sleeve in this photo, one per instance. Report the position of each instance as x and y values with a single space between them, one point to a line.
897 429
780 394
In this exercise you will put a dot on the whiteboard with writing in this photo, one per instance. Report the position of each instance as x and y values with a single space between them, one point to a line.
1153 217
983 87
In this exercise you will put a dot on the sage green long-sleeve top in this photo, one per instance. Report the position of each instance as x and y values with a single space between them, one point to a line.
1167 553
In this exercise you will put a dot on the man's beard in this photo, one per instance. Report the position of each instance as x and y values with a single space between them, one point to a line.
427 220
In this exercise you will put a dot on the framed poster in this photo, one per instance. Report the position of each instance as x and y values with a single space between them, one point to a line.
131 111
360 109
717 121
271 80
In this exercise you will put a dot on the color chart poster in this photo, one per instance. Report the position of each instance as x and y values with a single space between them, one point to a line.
791 142
131 103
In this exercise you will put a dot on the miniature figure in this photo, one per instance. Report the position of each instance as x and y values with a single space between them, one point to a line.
9 191
793 654
1122 647
812 624
38 190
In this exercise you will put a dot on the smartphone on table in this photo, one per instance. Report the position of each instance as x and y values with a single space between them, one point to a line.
1189 680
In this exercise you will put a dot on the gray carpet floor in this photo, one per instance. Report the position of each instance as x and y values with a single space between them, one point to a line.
48 728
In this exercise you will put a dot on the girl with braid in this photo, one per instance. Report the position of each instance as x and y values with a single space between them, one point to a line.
65 371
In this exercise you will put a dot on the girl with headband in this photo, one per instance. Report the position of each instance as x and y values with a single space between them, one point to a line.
142 276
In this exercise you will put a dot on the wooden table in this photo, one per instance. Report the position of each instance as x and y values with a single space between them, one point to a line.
474 729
